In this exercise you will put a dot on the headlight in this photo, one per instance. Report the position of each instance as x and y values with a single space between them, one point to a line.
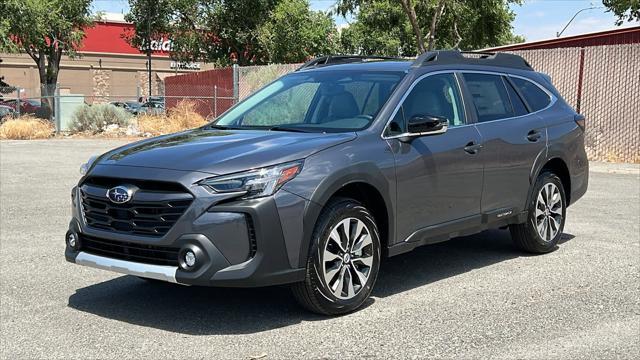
255 183
84 168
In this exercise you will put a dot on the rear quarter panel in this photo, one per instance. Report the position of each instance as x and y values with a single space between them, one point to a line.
566 141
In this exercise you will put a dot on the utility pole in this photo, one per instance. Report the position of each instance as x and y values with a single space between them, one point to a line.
574 16
149 12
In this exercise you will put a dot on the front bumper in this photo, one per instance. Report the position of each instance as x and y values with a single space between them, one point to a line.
214 226
151 271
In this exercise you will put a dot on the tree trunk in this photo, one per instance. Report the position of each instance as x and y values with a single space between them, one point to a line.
457 34
434 24
48 69
408 8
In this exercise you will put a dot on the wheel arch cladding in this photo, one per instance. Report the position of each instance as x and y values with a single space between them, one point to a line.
360 188
369 197
559 167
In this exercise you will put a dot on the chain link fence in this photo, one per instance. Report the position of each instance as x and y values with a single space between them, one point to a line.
603 83
252 78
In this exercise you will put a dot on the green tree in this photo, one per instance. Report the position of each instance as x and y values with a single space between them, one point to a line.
407 27
220 31
625 10
153 18
45 30
381 27
294 33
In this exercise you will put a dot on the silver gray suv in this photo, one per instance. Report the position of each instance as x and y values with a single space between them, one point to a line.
317 176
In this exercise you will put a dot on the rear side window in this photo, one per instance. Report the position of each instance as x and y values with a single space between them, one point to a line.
518 105
533 95
489 96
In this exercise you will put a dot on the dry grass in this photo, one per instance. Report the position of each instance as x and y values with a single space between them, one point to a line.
179 118
26 128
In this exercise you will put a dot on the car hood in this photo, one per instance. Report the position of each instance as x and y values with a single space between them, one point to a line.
222 151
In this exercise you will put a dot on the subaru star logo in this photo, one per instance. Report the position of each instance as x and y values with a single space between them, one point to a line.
119 194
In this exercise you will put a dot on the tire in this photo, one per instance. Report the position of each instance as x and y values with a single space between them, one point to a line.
543 229
340 275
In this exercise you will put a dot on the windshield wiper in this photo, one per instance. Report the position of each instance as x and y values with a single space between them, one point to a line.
221 127
287 128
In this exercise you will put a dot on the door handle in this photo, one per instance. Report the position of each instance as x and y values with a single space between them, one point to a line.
534 135
472 148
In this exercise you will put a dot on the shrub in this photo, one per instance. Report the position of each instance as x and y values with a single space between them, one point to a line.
96 118
181 117
26 127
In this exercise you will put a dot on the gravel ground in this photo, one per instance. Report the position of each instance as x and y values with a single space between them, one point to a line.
472 297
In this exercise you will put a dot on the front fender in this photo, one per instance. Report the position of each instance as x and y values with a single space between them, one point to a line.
367 160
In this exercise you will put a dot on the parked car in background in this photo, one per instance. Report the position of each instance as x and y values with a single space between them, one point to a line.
28 106
157 99
152 108
315 178
7 112
132 107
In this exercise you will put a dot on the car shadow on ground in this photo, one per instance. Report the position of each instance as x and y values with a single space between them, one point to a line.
209 311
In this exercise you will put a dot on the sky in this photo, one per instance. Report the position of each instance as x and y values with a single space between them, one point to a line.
535 19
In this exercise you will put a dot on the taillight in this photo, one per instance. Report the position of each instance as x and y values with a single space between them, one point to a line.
580 120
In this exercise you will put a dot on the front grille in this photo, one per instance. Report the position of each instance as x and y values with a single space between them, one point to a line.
148 254
149 213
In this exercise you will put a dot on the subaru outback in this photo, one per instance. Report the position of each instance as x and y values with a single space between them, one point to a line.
316 177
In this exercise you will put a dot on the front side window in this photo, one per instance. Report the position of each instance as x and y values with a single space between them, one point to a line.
436 95
332 101
489 96
534 96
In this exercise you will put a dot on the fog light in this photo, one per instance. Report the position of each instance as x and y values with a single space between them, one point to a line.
72 240
190 258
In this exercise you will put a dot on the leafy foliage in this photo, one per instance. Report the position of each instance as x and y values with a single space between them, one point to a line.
625 10
241 31
381 27
204 29
45 30
384 26
294 33
153 19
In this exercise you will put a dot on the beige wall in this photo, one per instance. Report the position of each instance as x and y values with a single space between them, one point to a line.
126 74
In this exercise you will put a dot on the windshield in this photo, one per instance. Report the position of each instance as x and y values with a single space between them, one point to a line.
322 101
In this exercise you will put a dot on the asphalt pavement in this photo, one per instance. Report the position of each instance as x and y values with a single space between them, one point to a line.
472 297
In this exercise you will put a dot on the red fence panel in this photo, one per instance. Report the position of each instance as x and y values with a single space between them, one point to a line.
211 90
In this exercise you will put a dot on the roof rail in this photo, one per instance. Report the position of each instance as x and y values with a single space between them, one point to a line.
443 57
343 59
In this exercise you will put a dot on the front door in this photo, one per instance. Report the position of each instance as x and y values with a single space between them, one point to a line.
439 177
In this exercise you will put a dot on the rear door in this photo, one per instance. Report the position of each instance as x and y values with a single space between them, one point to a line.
513 138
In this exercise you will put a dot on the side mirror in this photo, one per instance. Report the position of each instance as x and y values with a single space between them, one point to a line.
421 125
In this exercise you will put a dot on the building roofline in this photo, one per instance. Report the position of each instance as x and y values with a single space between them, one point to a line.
112 21
560 40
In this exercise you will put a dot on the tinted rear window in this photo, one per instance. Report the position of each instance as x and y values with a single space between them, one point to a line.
518 106
489 96
533 95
